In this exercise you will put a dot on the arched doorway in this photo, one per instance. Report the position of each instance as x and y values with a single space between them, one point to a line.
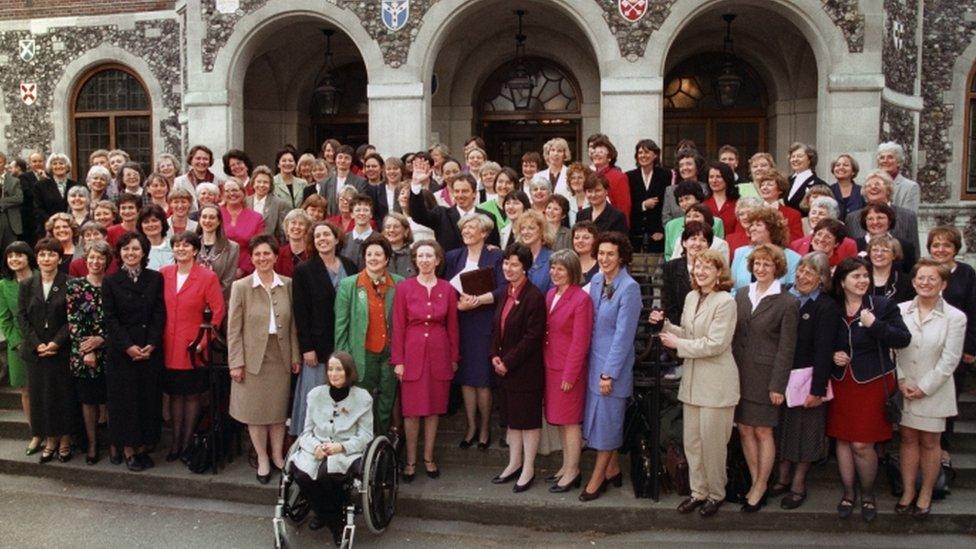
777 103
693 110
279 102
110 109
512 125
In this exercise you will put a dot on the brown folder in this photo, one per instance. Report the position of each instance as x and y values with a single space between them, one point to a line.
480 281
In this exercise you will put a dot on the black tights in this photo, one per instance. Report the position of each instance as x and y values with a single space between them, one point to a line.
184 411
326 494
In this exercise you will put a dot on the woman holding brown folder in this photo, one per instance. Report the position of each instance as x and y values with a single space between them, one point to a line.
475 271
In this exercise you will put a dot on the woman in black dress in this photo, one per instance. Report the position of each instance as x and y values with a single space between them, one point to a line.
43 316
135 314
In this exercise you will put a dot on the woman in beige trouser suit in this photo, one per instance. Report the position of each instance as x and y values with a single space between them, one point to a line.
710 385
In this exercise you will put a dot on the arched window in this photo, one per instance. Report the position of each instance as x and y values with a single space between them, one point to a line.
110 109
512 123
969 168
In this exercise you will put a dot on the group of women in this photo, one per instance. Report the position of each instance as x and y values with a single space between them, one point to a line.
425 274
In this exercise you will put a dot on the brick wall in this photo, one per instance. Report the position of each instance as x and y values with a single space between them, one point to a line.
30 9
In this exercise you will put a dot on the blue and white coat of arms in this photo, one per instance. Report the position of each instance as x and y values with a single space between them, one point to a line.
395 13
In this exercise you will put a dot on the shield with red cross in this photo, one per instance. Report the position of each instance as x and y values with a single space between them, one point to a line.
632 10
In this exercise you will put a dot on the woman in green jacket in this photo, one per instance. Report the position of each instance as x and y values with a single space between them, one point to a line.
363 324
18 259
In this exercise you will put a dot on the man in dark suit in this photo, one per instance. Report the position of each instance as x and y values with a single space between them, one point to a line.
330 186
11 200
443 220
28 182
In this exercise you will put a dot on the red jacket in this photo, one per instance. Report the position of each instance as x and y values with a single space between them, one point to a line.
184 311
619 190
568 331
794 221
847 248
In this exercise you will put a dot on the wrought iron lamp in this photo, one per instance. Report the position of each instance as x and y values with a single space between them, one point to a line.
327 94
520 83
729 82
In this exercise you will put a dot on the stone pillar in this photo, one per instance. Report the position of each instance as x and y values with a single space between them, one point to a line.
630 110
209 122
398 117
851 109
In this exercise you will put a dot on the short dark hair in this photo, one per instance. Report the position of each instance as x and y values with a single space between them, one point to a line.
649 145
705 211
692 154
337 232
239 155
604 141
689 187
885 209
16 247
844 268
728 149
563 204
376 239
345 149
695 228
189 237
48 244
534 158
519 196
128 237
521 252
152 210
348 366
594 179
129 198
945 232
467 178
731 189
587 226
361 198
621 241
282 152
477 141
259 239
197 148
835 227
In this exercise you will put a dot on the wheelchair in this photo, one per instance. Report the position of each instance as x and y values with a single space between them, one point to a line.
372 492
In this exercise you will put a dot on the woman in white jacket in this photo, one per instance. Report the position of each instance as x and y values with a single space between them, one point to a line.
338 428
925 370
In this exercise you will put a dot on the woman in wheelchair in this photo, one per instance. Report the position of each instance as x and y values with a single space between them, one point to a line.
338 429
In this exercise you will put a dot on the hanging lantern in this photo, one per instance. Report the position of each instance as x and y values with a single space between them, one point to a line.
729 82
520 82
327 94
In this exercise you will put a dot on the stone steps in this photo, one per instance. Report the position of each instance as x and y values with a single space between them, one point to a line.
465 494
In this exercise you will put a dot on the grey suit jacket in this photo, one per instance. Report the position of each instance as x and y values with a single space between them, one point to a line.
906 226
907 194
275 210
11 200
764 343
327 188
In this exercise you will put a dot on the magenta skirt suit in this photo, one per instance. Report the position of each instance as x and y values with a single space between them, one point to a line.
426 342
567 346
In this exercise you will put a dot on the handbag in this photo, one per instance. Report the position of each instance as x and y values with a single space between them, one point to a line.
893 402
798 387
677 466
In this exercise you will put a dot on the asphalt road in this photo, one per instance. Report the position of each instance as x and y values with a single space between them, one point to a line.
48 513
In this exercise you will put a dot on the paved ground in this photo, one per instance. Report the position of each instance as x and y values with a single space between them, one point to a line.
48 513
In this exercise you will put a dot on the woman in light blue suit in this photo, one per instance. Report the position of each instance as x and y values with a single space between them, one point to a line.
617 308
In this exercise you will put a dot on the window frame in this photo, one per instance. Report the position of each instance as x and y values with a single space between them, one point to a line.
970 102
110 115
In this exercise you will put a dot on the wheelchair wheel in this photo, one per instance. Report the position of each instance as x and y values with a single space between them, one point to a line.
380 484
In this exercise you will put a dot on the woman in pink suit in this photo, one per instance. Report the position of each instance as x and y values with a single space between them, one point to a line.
188 288
569 325
426 350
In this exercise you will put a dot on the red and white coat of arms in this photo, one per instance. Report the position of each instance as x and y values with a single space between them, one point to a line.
632 10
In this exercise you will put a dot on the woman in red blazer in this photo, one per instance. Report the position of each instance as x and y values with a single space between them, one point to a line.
567 345
773 187
425 350
188 288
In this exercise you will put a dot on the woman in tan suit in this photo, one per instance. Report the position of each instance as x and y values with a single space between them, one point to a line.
709 388
763 347
263 353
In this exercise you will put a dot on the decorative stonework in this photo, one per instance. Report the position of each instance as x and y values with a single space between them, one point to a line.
32 127
900 48
632 38
395 46
848 17
898 125
946 33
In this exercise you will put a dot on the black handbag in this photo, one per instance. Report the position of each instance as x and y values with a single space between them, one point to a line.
894 402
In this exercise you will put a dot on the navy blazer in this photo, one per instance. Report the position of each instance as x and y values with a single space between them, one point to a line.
814 345
870 348
313 304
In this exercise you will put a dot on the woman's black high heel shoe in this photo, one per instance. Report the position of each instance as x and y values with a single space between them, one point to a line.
431 474
590 496
408 478
616 480
92 460
47 455
561 489
750 508
468 442
486 444
507 478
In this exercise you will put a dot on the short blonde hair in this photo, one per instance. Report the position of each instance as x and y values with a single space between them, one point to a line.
559 143
535 216
771 252
716 259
